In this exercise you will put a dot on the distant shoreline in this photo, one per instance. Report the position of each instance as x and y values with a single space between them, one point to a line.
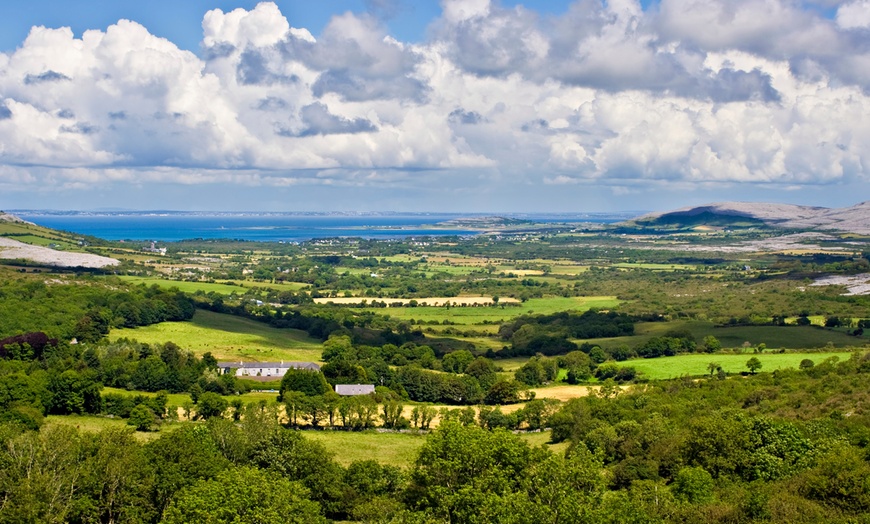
168 226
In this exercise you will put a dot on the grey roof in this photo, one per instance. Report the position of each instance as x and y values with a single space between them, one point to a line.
354 389
289 364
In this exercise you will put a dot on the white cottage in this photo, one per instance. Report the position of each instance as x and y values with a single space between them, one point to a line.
264 369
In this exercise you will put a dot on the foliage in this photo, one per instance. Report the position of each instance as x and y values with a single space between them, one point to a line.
141 418
244 496
307 382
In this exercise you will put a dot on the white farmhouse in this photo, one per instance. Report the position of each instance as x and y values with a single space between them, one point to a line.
264 369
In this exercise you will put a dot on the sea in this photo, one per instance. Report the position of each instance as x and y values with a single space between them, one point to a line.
273 227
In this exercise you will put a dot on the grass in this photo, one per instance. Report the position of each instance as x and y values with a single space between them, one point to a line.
542 438
224 288
696 364
788 337
479 315
229 338
96 424
655 267
187 287
394 449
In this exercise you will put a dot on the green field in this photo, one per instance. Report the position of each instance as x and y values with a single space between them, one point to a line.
229 338
395 449
477 315
696 364
187 287
655 267
788 337
95 424
224 288
178 399
542 438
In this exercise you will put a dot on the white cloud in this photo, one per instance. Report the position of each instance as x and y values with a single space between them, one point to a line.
694 92
854 15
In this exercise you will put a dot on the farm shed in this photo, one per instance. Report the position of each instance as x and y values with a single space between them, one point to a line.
350 390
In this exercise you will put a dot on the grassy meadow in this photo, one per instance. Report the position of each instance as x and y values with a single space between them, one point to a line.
468 316
788 337
228 338
696 364
395 449
95 424
223 288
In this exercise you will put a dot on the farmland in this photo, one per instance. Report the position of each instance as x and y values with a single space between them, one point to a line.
634 352
228 338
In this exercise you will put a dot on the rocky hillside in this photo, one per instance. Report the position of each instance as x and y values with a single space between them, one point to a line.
854 219
23 240
6 217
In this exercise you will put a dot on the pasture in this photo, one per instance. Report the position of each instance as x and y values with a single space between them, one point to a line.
788 337
228 338
95 424
223 288
423 302
697 364
394 449
467 316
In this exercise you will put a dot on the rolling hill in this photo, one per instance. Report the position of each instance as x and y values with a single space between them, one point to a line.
854 219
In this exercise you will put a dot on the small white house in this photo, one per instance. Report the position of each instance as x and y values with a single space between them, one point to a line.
351 390
264 369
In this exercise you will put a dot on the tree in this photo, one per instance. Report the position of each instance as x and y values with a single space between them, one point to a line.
294 405
531 373
309 383
392 415
483 369
244 496
503 392
711 344
211 405
457 361
462 473
74 392
694 485
141 418
713 367
753 364
297 458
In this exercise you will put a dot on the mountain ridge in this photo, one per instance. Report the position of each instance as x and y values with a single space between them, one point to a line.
852 219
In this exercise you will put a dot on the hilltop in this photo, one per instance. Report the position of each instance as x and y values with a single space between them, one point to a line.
26 241
854 219
6 217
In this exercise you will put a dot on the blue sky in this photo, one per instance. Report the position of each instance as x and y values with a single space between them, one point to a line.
181 20
453 105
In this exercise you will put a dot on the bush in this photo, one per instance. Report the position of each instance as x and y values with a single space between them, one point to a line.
141 418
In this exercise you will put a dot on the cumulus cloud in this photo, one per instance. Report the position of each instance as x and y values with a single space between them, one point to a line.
319 121
688 92
854 15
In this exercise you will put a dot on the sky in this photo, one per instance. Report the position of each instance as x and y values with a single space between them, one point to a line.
450 105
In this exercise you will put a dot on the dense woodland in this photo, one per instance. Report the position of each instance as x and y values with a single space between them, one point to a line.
790 445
